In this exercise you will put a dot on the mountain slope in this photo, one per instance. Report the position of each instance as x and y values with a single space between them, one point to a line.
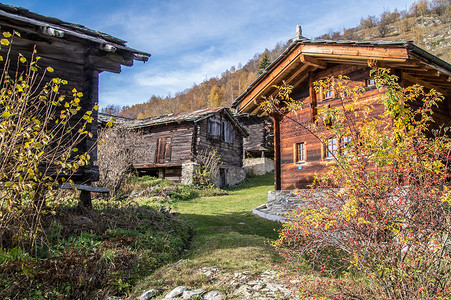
427 23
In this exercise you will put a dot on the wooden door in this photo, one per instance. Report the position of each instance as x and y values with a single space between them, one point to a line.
163 151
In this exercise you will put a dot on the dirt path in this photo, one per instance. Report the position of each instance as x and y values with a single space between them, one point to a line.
230 251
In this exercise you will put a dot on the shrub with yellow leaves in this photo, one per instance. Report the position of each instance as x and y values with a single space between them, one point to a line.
382 212
38 143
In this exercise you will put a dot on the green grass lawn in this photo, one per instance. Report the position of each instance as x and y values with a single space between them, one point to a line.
227 236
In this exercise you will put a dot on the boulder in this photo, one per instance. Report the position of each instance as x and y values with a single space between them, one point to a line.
176 292
214 295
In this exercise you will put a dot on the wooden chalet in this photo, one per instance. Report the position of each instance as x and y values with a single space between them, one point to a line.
175 140
297 154
76 53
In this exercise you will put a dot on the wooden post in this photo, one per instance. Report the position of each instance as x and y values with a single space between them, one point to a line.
85 199
313 101
277 165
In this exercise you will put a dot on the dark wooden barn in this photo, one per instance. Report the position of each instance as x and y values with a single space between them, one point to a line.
298 155
176 140
259 145
77 54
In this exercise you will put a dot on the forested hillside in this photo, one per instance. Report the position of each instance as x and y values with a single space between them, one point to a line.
426 22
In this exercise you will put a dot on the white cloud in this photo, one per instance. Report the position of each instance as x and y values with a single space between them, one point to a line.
193 40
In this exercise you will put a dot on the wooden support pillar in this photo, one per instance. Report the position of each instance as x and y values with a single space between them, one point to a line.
85 199
313 101
277 166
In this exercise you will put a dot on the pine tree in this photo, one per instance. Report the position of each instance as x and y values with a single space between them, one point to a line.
264 62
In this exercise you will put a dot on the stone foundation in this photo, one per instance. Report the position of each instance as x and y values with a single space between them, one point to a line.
258 166
281 202
234 175
188 170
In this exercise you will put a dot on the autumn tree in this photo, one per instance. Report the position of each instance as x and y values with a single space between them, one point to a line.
383 210
216 96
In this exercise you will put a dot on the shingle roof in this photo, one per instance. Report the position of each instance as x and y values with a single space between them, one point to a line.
194 116
414 50
20 14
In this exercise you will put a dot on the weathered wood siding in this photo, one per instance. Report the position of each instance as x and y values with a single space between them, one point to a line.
261 135
231 154
180 136
299 175
71 61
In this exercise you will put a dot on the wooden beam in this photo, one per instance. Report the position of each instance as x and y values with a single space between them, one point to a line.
313 100
277 156
363 52
256 109
314 62
291 60
300 80
296 74
357 57
418 80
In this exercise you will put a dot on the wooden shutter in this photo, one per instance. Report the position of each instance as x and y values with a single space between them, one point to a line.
229 133
214 128
164 150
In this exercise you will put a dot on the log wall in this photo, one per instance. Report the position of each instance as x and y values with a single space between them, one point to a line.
300 175
231 154
261 136
180 136
71 61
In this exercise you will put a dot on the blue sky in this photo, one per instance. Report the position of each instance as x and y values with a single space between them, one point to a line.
193 40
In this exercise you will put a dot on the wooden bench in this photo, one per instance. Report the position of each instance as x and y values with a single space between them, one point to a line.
85 192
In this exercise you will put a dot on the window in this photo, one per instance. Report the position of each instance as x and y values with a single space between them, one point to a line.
331 148
214 128
345 141
299 152
163 150
229 133
370 82
329 93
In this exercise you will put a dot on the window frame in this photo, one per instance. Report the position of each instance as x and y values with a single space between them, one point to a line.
331 142
368 82
229 132
329 93
297 153
344 142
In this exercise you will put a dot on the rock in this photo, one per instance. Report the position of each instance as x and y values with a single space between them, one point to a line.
176 292
170 188
181 261
148 295
190 294
244 291
214 295
208 272
113 298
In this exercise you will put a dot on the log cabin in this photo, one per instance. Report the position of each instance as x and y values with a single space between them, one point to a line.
258 147
298 155
77 54
175 141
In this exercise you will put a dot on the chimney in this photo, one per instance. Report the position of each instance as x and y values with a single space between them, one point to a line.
299 36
